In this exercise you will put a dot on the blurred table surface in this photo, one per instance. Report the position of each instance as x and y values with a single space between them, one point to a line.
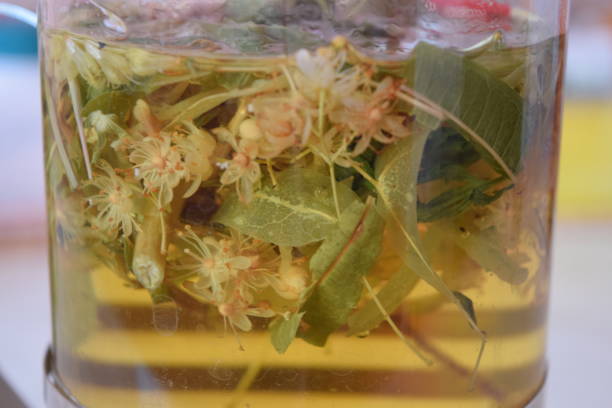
580 324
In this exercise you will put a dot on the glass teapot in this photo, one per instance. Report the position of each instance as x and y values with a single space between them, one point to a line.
299 202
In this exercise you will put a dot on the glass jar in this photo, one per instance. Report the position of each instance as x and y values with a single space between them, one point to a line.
291 203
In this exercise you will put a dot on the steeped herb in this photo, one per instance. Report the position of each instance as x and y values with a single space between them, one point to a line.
337 267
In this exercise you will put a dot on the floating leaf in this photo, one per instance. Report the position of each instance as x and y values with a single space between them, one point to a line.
484 248
283 331
480 104
391 297
343 259
397 170
114 102
298 211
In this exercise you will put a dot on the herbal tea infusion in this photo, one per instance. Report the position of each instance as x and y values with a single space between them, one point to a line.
332 226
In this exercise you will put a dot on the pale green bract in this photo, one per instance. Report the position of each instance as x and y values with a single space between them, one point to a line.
298 211
283 331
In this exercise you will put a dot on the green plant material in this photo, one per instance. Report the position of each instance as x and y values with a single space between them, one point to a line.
250 38
447 154
457 200
390 296
114 102
57 136
234 80
483 108
283 331
359 183
149 262
484 247
397 170
298 211
337 267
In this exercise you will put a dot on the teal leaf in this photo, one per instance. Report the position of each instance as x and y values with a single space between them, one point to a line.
283 331
300 210
337 267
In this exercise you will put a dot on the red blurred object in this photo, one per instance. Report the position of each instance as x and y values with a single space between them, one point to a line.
486 10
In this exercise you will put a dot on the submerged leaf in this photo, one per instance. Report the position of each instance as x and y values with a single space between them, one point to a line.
485 249
283 331
343 259
114 102
390 296
457 200
397 170
298 211
474 96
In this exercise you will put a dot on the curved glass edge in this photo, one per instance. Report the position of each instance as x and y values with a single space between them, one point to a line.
55 393
58 396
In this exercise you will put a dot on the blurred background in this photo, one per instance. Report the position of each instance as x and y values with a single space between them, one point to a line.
580 327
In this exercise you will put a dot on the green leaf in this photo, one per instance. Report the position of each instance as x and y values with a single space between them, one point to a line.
459 199
343 259
397 170
485 248
283 331
298 211
477 100
447 154
234 80
391 297
114 102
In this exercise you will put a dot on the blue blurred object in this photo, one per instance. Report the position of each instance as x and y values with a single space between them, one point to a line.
17 38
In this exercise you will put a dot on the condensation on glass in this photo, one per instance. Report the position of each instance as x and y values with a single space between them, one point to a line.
291 203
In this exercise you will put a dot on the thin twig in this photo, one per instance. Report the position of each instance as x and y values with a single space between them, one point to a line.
59 142
394 327
75 96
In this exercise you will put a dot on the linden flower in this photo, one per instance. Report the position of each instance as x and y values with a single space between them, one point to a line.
113 202
243 170
159 165
197 148
324 71
236 312
216 262
370 116
279 123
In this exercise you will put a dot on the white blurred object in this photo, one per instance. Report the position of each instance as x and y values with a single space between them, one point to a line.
22 208
589 62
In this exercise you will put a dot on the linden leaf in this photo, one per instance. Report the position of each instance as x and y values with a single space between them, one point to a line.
391 297
484 248
485 110
397 171
337 267
298 211
283 331
114 102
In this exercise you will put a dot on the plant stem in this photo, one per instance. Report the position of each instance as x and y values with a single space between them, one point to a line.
245 383
394 327
149 264
75 96
59 142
